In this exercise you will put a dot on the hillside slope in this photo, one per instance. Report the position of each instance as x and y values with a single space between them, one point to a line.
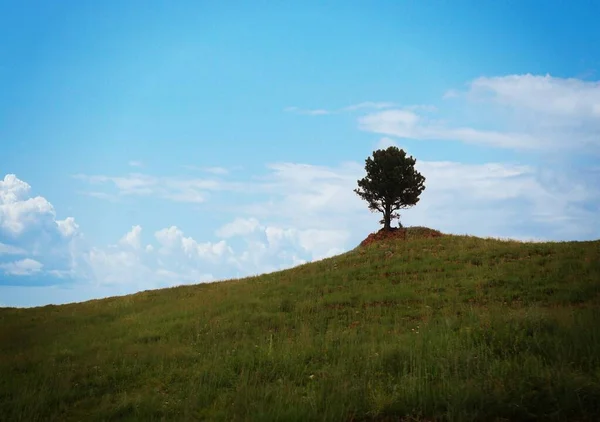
445 328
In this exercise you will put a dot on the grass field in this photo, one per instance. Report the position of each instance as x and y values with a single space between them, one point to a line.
453 328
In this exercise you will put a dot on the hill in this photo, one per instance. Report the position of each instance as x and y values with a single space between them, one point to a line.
424 328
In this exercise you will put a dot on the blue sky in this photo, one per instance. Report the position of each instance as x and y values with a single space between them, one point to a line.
146 144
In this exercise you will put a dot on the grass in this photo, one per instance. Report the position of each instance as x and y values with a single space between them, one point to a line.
454 328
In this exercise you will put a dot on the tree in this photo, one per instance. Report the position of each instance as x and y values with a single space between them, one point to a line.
391 183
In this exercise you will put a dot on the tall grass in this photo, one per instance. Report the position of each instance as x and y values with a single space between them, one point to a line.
452 329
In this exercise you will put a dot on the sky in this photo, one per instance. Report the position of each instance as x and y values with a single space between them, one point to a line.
149 144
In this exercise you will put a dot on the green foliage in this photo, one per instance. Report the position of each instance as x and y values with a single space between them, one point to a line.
391 183
452 328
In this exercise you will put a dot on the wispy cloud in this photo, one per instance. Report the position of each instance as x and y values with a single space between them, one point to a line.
497 199
135 163
11 250
309 112
409 125
529 113
23 267
176 189
217 170
566 98
370 105
354 107
220 171
100 195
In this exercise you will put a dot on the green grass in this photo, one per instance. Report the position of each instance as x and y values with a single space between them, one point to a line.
454 328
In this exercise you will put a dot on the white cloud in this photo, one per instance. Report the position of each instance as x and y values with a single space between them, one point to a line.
169 237
238 227
308 197
527 112
187 195
408 125
29 224
499 199
309 112
190 190
423 107
133 237
354 107
505 200
24 267
126 264
115 265
11 250
135 163
217 170
451 93
100 195
12 189
572 98
17 209
272 246
323 243
67 227
371 105
386 142
172 241
310 212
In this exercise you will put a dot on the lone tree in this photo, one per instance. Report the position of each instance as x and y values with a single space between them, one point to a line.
391 183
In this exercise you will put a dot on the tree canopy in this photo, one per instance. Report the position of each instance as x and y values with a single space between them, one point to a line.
391 183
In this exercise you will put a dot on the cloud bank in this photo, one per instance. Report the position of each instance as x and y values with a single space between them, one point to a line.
299 212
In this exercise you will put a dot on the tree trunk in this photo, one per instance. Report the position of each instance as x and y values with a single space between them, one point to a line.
387 219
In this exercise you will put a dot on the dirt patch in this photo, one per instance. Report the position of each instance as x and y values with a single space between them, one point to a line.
408 233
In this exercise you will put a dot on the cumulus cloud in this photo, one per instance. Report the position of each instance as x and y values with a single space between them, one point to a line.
172 240
268 241
68 226
133 237
17 209
128 264
238 227
28 226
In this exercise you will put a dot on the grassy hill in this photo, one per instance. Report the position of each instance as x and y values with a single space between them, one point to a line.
450 328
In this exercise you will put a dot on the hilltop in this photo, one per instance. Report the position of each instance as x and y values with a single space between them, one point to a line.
420 326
